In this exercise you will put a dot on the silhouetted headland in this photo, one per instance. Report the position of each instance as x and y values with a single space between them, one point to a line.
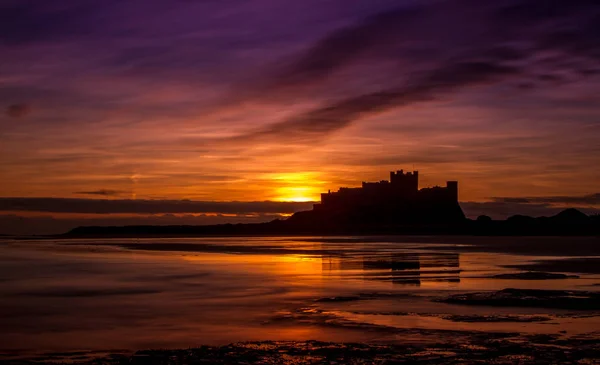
396 206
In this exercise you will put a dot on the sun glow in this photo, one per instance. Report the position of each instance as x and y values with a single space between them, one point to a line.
297 194
297 186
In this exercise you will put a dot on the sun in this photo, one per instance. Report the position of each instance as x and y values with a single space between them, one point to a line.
296 194
296 186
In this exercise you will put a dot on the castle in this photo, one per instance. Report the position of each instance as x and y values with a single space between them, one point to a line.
401 188
397 201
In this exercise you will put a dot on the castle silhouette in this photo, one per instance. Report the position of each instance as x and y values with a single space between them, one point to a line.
397 201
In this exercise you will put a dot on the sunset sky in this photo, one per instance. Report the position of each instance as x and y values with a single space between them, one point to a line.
275 100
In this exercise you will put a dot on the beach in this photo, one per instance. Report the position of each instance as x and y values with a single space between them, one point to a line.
408 298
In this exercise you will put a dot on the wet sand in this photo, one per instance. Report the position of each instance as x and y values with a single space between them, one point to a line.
588 265
562 299
442 300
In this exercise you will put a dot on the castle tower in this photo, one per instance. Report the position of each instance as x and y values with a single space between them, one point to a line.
405 183
415 181
452 187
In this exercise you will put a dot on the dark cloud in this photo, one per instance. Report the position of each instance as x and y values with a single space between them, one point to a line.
24 225
102 206
503 207
590 199
40 224
330 118
103 192
512 200
30 21
503 210
438 50
18 110
345 45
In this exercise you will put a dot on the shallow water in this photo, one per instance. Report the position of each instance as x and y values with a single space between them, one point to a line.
100 294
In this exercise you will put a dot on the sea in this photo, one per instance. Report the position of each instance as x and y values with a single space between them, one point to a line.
127 294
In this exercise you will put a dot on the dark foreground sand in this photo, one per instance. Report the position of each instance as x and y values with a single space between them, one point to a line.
448 346
495 349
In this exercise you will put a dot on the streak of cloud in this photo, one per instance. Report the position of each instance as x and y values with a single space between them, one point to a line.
103 192
140 206
319 122
590 199
503 210
438 49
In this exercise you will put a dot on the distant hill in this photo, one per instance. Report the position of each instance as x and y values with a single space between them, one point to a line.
568 222
570 215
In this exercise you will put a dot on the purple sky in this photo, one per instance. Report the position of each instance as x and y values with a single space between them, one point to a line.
280 100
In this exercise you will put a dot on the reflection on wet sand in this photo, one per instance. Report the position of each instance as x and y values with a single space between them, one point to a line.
182 292
400 268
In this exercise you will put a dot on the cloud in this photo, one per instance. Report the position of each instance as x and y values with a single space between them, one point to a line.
39 223
590 199
18 110
103 206
37 22
437 49
344 46
103 192
328 119
503 207
503 210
